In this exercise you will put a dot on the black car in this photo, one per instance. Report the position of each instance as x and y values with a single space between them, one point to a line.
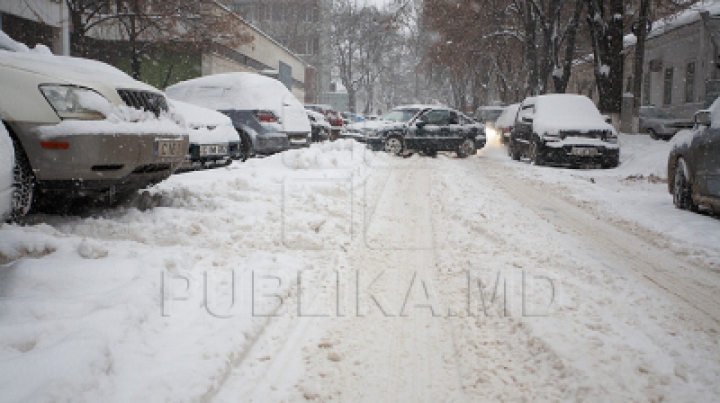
563 129
429 131
694 163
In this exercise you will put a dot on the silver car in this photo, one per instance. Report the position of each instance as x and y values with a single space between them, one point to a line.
660 124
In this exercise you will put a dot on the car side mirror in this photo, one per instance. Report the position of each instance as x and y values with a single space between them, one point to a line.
421 124
608 119
702 118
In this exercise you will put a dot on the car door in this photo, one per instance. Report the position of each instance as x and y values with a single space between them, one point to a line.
706 156
523 130
432 127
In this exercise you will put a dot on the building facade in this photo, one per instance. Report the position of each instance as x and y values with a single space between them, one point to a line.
299 25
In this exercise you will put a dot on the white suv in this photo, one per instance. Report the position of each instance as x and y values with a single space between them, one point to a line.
82 129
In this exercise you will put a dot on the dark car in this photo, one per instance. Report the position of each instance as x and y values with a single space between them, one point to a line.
429 131
660 124
694 163
563 129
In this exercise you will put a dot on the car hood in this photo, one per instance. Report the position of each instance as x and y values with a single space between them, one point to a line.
72 70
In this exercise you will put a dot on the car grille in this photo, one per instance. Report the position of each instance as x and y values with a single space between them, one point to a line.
144 100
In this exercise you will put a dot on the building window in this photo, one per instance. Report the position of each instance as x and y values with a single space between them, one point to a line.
690 82
646 89
667 87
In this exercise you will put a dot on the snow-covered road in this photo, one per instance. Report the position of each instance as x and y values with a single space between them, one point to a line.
336 274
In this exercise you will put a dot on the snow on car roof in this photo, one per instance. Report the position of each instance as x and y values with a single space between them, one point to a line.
239 91
557 112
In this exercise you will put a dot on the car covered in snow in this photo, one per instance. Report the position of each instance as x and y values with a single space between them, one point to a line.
563 129
321 128
82 129
488 114
694 163
660 124
332 116
214 141
504 124
267 116
430 130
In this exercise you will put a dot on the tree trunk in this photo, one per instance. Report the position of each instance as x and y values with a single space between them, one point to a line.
607 40
561 82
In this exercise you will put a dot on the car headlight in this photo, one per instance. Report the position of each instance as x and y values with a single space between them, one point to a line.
72 102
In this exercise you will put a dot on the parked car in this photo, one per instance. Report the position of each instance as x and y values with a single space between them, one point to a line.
660 124
82 129
694 163
488 114
505 123
563 129
321 128
349 118
214 142
267 116
430 130
332 116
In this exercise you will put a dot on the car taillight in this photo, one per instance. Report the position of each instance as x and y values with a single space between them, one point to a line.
266 117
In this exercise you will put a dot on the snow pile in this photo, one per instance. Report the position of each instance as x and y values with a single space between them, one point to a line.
7 163
158 305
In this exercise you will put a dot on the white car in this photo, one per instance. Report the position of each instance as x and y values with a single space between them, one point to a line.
213 139
82 129
504 124
265 113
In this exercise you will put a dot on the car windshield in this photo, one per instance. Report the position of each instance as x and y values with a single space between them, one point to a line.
400 115
656 113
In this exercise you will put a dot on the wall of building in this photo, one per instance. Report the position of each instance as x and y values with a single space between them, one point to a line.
50 13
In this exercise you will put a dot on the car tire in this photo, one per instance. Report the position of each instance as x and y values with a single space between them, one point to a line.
466 148
536 156
652 134
394 145
245 146
612 164
24 183
682 188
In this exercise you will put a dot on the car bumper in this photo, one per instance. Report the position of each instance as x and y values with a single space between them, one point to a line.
271 143
298 140
566 155
102 157
359 137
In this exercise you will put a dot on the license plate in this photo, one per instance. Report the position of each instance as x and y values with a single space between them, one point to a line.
584 151
213 149
165 148
298 140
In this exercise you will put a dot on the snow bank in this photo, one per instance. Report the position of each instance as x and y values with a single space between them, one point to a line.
7 162
157 305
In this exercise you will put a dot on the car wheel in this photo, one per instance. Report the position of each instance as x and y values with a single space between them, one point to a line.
245 146
612 164
394 145
466 148
536 153
682 189
24 183
652 134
